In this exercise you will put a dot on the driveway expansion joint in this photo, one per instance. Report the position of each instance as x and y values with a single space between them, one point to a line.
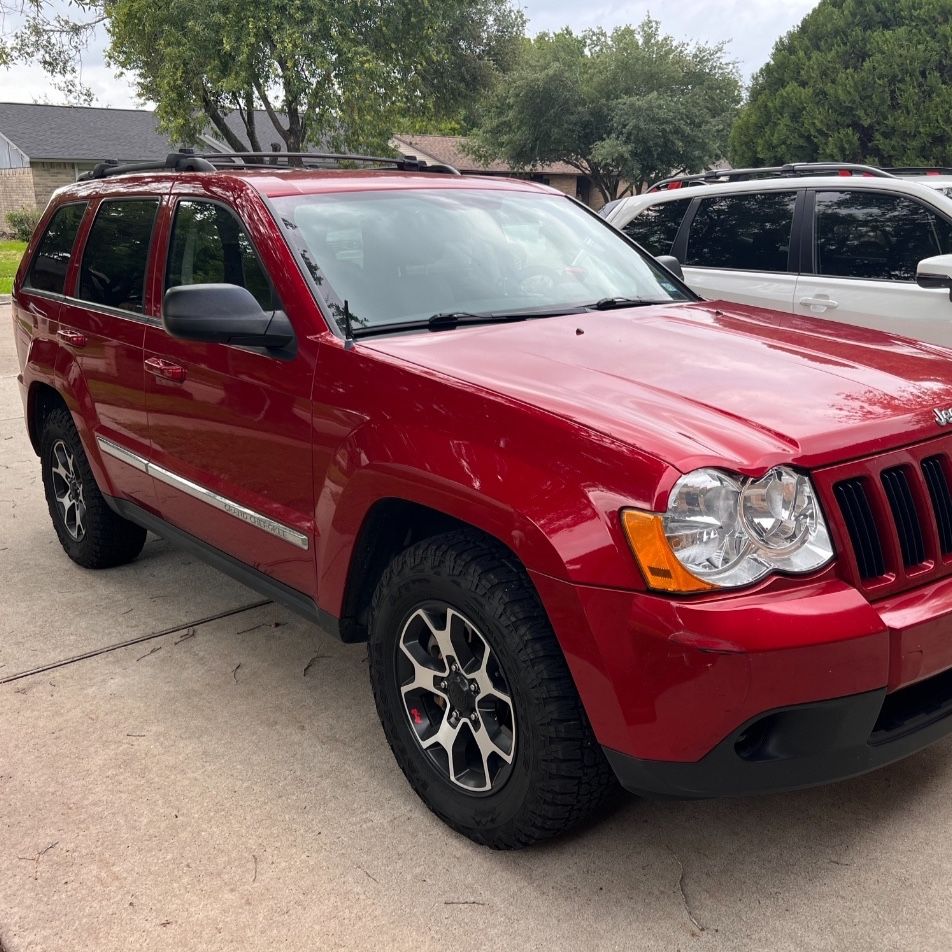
85 656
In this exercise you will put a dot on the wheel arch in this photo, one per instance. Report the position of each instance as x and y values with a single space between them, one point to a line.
389 526
42 398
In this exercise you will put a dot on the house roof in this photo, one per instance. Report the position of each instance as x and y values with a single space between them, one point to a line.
449 150
91 134
82 133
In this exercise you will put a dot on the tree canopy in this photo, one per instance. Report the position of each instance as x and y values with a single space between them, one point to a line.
859 81
52 35
624 108
341 72
338 72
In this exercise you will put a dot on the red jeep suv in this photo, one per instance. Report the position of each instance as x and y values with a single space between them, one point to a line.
592 526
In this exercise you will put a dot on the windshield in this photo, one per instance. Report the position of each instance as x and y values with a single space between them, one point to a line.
405 256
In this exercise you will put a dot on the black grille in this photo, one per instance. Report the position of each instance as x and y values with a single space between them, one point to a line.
861 526
903 506
941 498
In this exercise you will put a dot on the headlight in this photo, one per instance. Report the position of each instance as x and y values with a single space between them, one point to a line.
722 530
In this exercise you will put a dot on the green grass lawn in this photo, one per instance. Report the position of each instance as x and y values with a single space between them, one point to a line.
10 254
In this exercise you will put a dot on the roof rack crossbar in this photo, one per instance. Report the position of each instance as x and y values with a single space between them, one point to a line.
790 170
188 161
173 162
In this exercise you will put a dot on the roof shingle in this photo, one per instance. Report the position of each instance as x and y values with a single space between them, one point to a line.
91 133
449 150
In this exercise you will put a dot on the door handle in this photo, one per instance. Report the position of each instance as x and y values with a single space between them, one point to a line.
819 302
165 369
71 337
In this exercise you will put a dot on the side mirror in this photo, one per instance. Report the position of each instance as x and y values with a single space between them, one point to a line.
935 273
672 264
223 314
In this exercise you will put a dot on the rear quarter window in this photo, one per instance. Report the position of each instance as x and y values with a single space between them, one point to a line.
51 261
656 227
748 232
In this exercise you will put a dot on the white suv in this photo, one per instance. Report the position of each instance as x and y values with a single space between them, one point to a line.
843 242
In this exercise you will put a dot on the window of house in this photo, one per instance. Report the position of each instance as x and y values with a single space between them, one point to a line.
747 232
117 253
874 235
656 226
51 261
210 246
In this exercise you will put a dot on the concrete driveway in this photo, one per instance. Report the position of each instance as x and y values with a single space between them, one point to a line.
221 783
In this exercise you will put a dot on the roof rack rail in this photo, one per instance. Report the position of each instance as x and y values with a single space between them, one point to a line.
919 170
790 170
403 163
188 161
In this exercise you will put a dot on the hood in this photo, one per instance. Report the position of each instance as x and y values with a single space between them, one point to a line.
705 383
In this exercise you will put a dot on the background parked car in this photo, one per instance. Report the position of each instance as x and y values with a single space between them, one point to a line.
838 242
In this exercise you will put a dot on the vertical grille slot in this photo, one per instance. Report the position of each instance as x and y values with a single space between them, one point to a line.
941 497
861 526
903 507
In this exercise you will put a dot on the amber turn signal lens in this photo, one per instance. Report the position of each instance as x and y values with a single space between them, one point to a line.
659 565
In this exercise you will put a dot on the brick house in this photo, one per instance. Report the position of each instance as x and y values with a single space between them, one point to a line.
45 147
449 150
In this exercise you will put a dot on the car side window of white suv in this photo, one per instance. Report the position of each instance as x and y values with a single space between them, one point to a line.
875 235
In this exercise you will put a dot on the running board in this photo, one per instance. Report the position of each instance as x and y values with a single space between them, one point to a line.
298 602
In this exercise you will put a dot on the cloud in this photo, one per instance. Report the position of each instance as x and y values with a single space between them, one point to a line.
749 27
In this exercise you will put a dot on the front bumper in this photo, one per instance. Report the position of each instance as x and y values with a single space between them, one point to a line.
803 746
769 690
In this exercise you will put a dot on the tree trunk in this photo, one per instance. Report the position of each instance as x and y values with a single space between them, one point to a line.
273 116
218 121
248 115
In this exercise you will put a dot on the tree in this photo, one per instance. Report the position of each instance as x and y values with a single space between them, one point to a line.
858 81
52 36
624 108
339 72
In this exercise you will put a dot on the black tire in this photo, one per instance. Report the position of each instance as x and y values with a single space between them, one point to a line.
558 774
101 539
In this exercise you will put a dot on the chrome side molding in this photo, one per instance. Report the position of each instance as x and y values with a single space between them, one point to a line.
256 519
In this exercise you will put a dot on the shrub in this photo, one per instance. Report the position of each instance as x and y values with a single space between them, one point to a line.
20 223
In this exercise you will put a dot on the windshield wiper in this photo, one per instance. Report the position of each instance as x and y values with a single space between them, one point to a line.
610 303
447 320
455 318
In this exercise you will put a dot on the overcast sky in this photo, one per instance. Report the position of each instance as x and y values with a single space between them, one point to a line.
750 27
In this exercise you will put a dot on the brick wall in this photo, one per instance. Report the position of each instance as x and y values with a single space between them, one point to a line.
16 192
564 183
48 177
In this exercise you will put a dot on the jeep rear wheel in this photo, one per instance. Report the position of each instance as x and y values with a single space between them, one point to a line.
475 697
91 534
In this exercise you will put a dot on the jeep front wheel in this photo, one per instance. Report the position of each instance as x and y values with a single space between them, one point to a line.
475 697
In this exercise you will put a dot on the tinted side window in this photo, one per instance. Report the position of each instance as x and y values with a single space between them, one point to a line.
875 235
748 232
210 246
116 255
48 269
656 226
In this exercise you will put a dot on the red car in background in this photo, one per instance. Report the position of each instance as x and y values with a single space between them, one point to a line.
592 526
